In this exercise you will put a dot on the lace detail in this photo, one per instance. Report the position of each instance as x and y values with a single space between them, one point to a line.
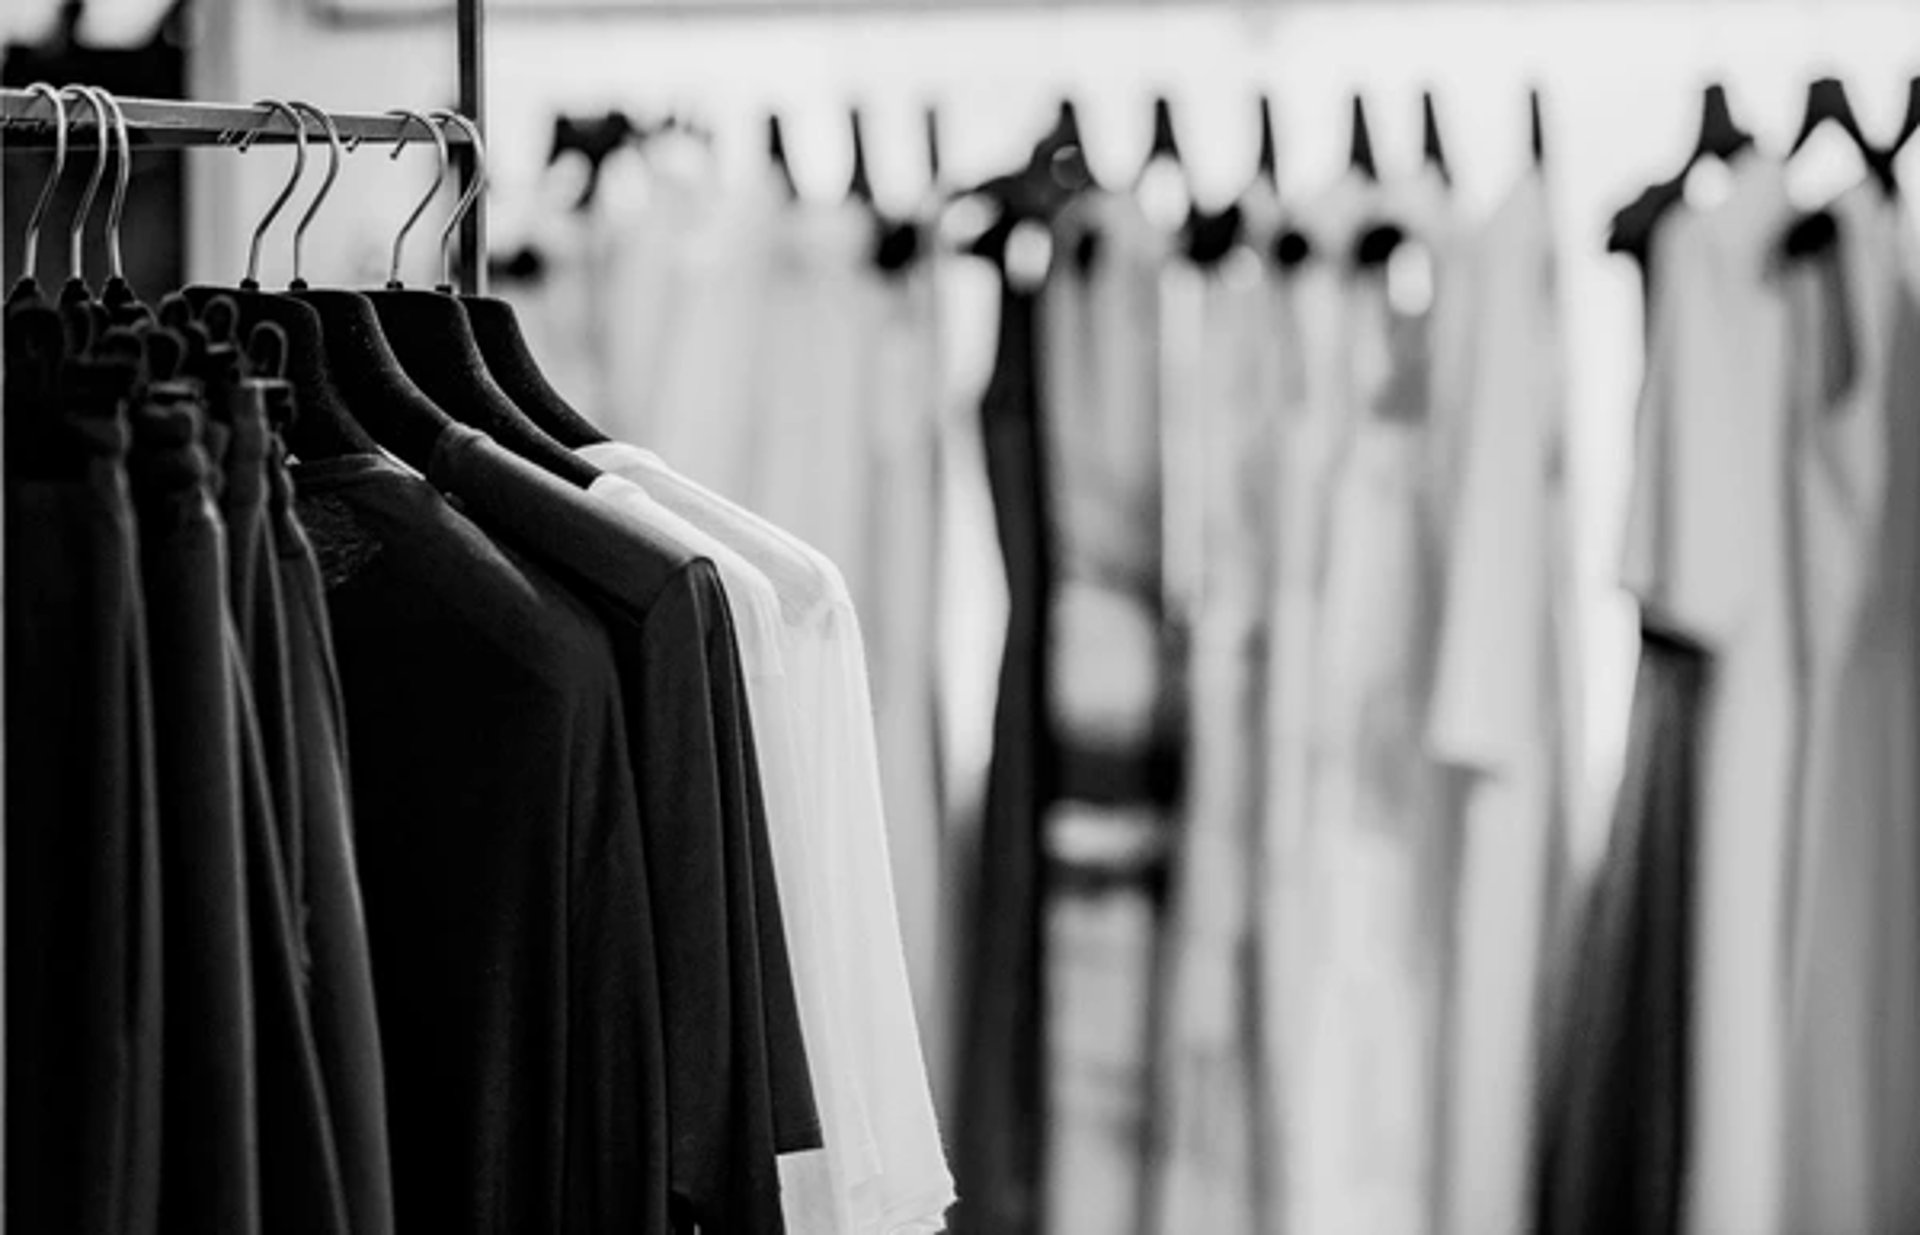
343 546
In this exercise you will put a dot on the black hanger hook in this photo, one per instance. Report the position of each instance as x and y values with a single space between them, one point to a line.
1360 150
1536 128
860 185
931 120
1268 166
777 155
1430 143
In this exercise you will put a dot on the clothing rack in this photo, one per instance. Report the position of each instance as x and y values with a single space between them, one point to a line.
156 124
168 124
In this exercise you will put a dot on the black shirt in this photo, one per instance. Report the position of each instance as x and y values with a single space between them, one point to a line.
300 1183
346 1028
210 1179
738 1088
83 876
498 852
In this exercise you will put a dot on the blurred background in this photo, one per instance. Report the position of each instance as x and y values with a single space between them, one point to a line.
1150 1050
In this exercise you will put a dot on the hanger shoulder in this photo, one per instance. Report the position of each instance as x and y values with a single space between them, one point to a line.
1360 145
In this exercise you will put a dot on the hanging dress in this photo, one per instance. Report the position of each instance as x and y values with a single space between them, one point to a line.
1853 1066
1709 552
1224 356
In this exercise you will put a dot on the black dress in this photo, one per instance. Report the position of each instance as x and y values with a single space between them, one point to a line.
1613 1135
1001 1117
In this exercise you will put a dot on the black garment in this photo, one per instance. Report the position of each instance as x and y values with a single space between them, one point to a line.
738 1087
1001 1120
253 591
300 1187
300 1184
498 852
210 1180
1613 1131
83 976
346 1028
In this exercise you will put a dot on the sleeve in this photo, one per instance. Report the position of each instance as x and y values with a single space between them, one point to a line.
915 1183
738 1083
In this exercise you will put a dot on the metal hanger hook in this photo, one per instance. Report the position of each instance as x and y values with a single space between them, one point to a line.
326 186
76 231
117 206
252 281
475 187
439 178
45 199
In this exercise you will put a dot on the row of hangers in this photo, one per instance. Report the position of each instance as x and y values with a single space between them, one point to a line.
1721 138
596 139
1056 171
373 371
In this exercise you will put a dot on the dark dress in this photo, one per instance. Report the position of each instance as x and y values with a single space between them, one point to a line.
1613 1132
83 969
1001 1117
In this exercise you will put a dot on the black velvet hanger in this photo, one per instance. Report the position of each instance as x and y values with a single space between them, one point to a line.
931 121
36 350
594 138
1720 137
860 184
1166 142
325 427
124 306
1536 129
1292 248
1268 166
510 360
896 242
1911 124
1375 244
1056 172
1360 146
213 357
1432 149
777 156
1827 103
430 334
1816 231
370 378
1208 236
1065 150
267 357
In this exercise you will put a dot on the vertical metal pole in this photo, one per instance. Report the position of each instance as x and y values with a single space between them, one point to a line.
471 17
3 761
